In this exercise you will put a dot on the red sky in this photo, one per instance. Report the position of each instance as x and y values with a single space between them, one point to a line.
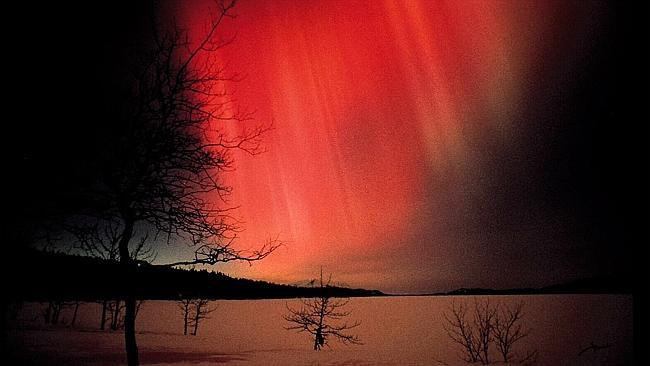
392 121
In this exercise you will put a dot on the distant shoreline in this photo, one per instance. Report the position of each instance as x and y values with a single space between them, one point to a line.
505 294
584 286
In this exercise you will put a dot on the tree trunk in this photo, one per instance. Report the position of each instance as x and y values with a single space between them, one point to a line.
115 320
48 313
74 316
185 319
102 325
56 311
130 299
129 331
197 317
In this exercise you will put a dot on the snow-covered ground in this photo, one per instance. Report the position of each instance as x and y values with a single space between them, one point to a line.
394 330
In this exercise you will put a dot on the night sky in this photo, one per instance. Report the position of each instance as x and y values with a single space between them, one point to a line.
418 146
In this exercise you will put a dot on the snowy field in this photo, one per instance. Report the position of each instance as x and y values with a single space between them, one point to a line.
394 331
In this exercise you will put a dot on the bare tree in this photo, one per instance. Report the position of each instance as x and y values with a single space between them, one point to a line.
100 238
484 316
163 156
476 328
201 310
102 324
465 329
52 312
116 313
594 347
55 308
186 307
76 305
194 310
321 317
508 330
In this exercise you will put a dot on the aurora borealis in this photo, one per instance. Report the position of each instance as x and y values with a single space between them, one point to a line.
429 155
418 146
415 144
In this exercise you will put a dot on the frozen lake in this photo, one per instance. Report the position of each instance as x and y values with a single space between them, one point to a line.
394 331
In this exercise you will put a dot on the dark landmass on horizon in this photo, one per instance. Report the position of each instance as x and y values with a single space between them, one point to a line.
55 275
614 285
595 285
60 276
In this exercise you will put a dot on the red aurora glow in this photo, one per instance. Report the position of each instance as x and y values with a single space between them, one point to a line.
385 113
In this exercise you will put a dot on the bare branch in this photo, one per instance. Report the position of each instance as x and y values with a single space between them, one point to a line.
194 310
487 324
224 252
320 317
594 347
508 329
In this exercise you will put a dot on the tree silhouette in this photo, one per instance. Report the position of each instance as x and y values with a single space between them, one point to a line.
52 313
116 314
475 329
76 305
508 330
161 156
194 310
321 317
472 331
100 239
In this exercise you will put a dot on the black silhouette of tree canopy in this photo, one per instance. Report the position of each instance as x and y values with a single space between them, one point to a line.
322 317
160 160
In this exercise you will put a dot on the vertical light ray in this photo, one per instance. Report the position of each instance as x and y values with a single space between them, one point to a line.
368 99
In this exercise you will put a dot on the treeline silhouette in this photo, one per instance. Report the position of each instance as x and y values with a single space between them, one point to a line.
593 285
61 276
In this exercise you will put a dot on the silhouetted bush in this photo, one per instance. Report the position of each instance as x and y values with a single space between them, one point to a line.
476 328
321 317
